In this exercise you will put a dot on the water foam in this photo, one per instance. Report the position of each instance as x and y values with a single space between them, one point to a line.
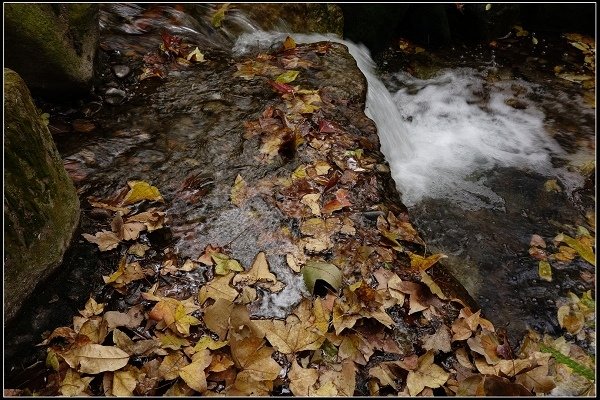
461 128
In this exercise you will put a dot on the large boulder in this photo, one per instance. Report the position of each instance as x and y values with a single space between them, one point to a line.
41 207
52 46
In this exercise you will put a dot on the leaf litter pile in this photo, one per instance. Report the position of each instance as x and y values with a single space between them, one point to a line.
373 320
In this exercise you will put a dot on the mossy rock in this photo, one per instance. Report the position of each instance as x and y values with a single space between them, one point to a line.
52 46
41 207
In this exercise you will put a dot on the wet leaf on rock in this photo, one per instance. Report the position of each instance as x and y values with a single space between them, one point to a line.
545 271
219 15
287 77
289 43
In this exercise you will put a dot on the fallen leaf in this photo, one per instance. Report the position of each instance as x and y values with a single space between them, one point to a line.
289 43
139 191
171 364
585 251
340 201
314 271
258 273
138 249
440 340
74 385
219 15
216 317
253 357
224 264
427 374
421 263
239 191
312 201
92 308
196 56
93 358
287 77
106 240
193 374
124 383
545 271
301 379
218 288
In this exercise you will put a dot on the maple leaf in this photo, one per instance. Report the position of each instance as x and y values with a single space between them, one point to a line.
196 55
218 288
171 364
152 219
124 383
140 347
289 43
92 308
294 334
343 381
421 263
216 317
224 264
312 201
440 340
340 201
106 240
254 359
302 379
219 15
169 341
258 273
193 374
287 77
126 273
74 385
239 191
486 345
139 191
427 374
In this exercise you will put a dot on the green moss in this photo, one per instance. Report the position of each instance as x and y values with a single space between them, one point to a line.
41 207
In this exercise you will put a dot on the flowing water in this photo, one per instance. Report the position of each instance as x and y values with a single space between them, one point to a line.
470 167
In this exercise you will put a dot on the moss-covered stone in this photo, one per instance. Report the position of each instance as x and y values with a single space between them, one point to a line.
52 46
41 207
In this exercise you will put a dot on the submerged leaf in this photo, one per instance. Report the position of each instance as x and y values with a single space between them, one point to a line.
219 15
545 271
139 191
287 77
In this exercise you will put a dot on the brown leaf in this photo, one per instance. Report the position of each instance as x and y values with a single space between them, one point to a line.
193 374
254 359
302 380
171 364
427 374
340 201
124 383
440 340
93 358
218 288
216 317
258 273
74 385
105 240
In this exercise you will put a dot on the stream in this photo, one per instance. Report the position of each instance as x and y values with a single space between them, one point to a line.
471 168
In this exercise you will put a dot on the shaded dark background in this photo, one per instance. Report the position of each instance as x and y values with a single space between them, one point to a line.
437 25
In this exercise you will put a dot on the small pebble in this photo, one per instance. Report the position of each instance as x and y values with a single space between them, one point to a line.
115 96
121 71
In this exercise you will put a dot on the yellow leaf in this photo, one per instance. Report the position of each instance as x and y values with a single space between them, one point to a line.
168 341
551 185
302 379
287 77
193 374
292 335
93 358
196 55
312 201
289 43
74 384
219 15
435 289
239 191
92 308
545 271
52 360
585 251
259 272
254 358
427 374
183 321
421 263
171 364
224 264
139 191
124 382
218 288
206 342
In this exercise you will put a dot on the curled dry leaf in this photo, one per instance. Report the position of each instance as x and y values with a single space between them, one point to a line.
106 240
